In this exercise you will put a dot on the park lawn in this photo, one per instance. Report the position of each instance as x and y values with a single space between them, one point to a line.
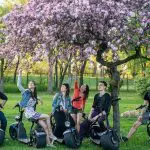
130 100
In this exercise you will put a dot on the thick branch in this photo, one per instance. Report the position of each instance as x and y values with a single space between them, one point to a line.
119 62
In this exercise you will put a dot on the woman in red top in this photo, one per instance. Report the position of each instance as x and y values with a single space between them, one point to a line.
78 102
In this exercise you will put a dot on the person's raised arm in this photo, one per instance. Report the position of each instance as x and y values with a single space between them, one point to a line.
19 84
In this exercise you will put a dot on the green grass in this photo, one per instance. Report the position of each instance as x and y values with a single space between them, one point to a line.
139 141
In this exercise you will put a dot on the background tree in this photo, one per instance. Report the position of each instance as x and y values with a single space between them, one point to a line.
107 26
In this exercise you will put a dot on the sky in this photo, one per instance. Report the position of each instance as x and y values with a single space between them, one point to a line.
1 1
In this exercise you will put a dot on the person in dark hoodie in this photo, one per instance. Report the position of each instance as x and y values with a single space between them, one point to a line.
99 111
3 120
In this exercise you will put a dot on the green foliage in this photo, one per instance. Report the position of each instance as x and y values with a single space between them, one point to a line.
142 84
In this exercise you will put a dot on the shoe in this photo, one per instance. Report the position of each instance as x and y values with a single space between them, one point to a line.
59 140
51 145
123 139
53 137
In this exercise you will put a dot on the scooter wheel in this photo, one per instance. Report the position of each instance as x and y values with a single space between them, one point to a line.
13 133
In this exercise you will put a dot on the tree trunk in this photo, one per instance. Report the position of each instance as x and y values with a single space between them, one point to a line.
82 72
2 75
16 68
50 76
40 78
62 76
115 82
95 69
56 74
27 78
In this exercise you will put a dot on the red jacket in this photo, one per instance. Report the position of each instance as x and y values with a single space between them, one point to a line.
81 102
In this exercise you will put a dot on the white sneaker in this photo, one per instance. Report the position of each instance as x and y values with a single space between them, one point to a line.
51 145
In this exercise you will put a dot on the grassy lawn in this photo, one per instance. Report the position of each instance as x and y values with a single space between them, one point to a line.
130 100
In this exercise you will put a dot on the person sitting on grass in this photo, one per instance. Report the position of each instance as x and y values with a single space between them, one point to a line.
142 119
99 111
81 95
60 106
3 121
28 102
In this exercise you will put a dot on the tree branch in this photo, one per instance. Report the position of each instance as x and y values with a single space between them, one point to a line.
103 48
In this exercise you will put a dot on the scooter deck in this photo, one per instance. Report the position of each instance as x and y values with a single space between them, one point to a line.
26 141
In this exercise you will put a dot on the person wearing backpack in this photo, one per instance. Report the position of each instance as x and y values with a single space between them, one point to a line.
3 120
99 111
142 119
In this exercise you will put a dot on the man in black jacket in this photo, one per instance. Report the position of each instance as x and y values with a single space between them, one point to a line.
100 109
3 121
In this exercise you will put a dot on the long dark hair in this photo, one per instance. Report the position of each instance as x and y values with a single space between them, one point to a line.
68 89
86 92
34 94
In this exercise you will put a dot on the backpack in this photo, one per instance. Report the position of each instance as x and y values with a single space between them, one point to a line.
71 138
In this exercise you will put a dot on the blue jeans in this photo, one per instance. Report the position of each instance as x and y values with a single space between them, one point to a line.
3 121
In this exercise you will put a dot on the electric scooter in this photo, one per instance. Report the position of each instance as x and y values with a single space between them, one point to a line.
17 131
69 135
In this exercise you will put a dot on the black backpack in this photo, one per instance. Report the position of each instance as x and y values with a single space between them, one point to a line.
109 139
71 138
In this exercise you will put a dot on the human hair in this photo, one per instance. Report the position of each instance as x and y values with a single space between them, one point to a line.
86 92
68 89
105 84
34 94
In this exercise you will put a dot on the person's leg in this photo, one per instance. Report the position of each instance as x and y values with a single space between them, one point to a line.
79 117
84 128
74 116
134 128
3 121
47 119
45 127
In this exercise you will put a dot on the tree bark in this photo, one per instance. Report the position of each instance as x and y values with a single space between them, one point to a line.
16 68
27 78
56 74
82 72
50 76
62 76
2 75
115 86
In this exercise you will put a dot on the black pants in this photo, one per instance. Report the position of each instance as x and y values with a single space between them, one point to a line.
3 121
60 118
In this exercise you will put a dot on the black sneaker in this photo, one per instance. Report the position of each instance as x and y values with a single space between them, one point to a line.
123 139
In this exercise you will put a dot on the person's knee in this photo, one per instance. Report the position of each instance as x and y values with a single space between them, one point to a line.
136 124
